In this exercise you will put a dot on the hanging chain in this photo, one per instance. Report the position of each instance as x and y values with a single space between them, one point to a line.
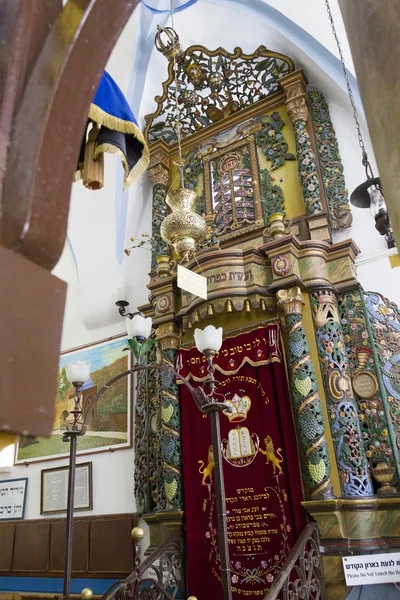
350 93
177 110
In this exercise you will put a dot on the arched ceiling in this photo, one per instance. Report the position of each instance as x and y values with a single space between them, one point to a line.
101 223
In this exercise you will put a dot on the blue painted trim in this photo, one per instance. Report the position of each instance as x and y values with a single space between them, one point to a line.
52 585
177 9
70 246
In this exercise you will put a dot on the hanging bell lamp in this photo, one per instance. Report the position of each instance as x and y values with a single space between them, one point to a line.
368 194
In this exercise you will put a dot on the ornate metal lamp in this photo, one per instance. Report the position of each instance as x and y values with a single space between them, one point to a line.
368 194
208 342
183 229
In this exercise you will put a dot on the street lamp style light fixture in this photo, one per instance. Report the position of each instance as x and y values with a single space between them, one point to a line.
208 341
368 194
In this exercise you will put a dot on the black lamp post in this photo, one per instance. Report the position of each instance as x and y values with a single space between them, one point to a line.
208 341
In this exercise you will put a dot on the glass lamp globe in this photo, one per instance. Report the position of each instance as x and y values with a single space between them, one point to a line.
78 372
378 203
208 340
139 327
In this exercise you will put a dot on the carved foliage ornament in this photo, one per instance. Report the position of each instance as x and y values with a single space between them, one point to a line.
296 101
384 318
336 194
360 353
213 84
345 427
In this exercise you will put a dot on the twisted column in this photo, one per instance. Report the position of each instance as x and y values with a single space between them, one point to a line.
351 460
159 176
294 85
306 402
149 494
169 435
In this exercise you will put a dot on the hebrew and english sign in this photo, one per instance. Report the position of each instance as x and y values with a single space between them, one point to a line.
12 498
372 568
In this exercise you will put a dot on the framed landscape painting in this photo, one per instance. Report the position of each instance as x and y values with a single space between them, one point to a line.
110 423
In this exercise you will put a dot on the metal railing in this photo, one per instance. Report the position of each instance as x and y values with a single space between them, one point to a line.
158 577
301 577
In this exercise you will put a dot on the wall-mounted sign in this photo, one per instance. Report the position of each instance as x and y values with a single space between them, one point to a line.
12 498
369 569
365 384
54 489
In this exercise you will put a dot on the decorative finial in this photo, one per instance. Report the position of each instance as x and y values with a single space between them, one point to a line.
137 533
167 41
86 594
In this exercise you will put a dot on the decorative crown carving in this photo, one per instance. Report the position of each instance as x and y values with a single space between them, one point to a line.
167 42
239 408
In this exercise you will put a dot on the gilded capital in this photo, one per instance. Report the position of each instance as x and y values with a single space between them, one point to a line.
290 301
294 85
168 336
159 166
159 175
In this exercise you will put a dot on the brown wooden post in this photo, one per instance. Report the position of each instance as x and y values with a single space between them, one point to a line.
47 52
373 31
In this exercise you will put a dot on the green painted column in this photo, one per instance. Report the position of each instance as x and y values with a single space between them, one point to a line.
307 408
294 85
159 176
169 434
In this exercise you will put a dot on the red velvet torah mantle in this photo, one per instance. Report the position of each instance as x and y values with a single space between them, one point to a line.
260 462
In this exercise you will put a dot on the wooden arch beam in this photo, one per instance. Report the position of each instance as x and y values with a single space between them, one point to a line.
52 62
49 125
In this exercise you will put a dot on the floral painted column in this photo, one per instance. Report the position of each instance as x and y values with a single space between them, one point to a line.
159 176
294 85
306 402
351 460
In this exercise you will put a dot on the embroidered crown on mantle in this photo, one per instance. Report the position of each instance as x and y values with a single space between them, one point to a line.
239 408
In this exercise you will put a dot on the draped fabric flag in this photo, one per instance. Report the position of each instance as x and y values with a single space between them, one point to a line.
116 131
260 464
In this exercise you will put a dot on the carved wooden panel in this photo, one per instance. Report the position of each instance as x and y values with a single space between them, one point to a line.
79 547
102 546
7 546
31 546
115 535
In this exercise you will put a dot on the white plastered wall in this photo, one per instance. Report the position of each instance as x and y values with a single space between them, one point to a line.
95 277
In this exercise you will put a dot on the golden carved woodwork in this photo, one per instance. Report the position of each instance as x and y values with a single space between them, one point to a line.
168 336
163 266
159 175
294 85
290 301
311 263
237 228
327 308
159 167
277 227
